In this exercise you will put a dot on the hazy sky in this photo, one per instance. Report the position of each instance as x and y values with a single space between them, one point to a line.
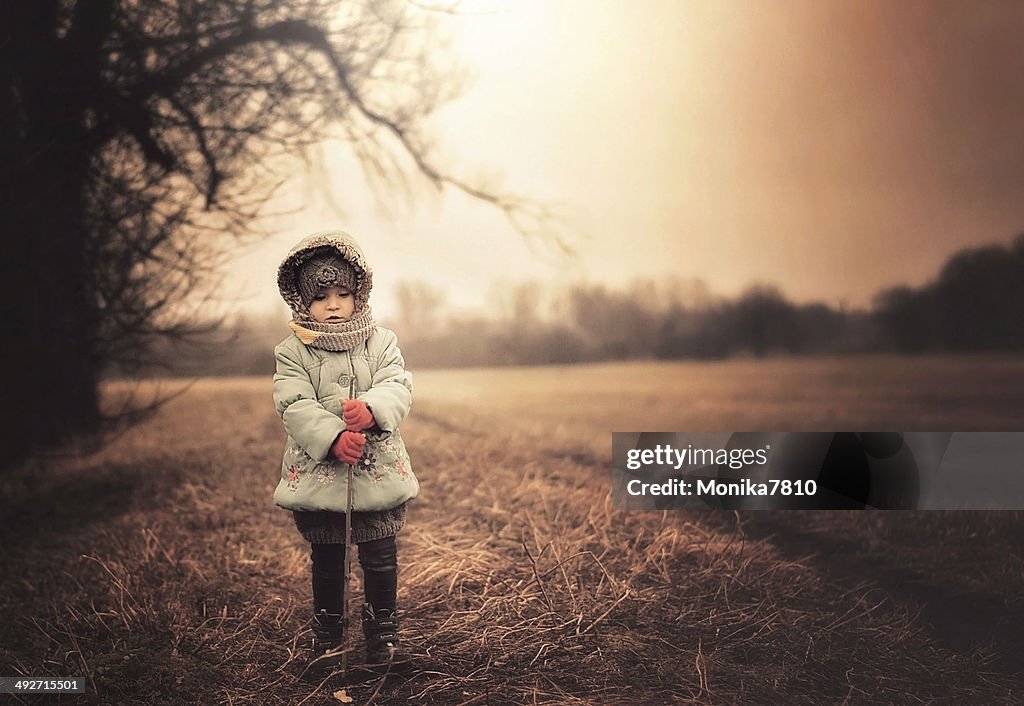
832 148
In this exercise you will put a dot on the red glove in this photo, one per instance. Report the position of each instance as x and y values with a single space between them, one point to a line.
356 414
348 447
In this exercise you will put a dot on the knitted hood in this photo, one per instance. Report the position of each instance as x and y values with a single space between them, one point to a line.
335 241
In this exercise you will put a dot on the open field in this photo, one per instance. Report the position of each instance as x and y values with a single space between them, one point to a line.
159 569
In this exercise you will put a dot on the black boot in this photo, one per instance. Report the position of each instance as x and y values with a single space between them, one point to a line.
380 628
328 641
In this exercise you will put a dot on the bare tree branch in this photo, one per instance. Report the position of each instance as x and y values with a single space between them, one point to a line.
145 136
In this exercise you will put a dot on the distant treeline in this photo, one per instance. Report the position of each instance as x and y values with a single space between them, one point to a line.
975 304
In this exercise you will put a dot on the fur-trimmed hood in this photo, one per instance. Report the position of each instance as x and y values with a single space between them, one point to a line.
335 241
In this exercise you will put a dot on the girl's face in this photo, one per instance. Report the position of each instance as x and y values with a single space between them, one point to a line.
332 305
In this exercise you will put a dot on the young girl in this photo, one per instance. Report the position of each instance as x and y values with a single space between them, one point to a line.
342 390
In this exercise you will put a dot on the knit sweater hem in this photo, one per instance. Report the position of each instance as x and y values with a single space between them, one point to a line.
327 527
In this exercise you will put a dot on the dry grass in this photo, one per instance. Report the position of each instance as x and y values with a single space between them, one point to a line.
159 569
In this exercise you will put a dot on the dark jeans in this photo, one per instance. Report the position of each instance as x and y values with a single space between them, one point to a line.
379 559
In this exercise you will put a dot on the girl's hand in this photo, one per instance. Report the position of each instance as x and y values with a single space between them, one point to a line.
348 447
357 415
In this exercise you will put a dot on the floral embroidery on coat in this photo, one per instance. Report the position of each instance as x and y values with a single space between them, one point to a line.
293 478
367 462
324 474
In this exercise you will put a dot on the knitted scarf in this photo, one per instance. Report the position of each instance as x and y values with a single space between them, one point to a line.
336 337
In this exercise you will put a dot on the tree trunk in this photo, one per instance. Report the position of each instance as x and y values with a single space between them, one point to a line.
49 355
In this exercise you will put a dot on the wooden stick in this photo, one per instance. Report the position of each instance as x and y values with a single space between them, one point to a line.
346 637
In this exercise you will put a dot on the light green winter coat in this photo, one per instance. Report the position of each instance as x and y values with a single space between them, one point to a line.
309 387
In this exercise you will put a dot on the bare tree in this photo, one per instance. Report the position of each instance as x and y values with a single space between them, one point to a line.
138 132
762 320
419 309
